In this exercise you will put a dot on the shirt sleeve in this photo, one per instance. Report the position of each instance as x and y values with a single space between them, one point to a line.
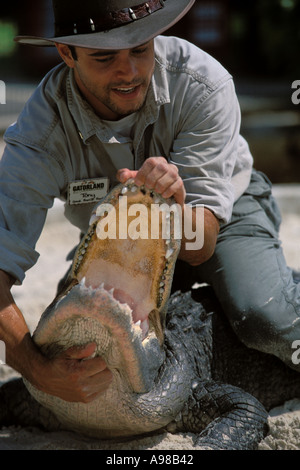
29 182
205 150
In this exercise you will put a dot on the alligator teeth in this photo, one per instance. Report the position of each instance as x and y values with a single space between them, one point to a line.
93 219
144 327
169 253
82 282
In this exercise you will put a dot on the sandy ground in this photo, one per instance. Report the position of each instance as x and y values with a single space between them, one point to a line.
39 289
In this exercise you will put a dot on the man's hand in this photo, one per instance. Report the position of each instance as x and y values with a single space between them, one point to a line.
157 174
75 376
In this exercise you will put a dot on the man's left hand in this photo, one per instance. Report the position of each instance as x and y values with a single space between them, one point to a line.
157 174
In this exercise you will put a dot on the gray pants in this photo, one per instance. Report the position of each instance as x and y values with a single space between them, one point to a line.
249 275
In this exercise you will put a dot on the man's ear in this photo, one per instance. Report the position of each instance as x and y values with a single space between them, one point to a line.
65 53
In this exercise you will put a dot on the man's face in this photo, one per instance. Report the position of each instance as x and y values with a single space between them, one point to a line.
115 83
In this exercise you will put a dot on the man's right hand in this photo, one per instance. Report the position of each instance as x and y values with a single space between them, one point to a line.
74 375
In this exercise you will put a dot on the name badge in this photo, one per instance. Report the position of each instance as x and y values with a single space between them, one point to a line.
86 191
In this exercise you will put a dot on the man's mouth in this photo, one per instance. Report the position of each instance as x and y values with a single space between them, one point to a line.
126 90
129 91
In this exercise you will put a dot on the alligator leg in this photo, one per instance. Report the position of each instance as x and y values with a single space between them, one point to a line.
18 407
225 417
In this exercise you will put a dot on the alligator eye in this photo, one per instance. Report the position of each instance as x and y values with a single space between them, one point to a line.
143 190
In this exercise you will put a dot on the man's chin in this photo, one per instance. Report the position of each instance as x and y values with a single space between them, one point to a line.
126 105
122 112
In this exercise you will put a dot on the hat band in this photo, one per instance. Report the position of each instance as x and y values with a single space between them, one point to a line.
111 20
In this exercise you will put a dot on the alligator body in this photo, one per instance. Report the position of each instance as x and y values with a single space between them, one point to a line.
176 363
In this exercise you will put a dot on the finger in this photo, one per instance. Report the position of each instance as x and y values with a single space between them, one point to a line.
166 181
124 174
86 368
152 169
83 361
100 380
176 190
78 352
96 385
168 184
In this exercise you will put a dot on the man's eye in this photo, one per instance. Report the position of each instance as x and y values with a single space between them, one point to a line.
140 51
105 59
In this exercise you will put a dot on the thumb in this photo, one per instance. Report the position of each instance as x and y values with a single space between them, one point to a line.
124 174
81 352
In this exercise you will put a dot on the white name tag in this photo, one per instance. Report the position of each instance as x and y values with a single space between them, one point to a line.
85 191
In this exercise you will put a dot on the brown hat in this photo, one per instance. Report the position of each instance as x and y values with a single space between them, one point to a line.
110 24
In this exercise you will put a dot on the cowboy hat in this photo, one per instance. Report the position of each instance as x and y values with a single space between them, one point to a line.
110 24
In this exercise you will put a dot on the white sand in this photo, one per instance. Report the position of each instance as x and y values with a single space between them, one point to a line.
37 292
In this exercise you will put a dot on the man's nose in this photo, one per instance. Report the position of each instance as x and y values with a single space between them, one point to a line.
127 69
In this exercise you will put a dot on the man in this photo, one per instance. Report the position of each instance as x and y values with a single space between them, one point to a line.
127 102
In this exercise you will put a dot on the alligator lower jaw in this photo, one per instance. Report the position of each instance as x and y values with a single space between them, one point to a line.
122 300
87 315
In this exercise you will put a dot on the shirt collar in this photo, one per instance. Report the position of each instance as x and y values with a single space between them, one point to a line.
86 120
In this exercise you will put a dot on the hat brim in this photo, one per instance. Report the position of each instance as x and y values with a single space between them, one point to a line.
123 37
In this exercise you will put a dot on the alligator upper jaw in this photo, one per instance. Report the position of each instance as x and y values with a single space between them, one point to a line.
95 315
139 269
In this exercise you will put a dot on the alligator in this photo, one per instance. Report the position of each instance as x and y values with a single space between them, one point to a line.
176 363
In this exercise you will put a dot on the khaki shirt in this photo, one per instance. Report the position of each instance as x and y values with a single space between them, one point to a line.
194 118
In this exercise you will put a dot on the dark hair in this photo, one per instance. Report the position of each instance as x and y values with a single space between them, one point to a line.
73 52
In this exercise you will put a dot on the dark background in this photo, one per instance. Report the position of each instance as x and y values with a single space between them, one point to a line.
258 41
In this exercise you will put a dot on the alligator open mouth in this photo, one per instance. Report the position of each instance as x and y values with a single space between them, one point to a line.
119 285
126 252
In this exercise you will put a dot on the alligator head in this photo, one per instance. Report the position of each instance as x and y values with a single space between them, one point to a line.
116 296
